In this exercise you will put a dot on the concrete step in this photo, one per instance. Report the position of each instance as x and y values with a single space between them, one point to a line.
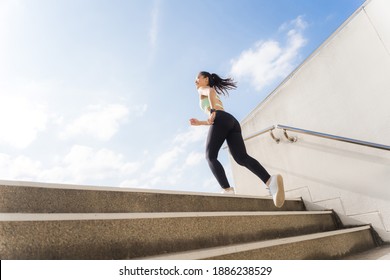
378 253
137 235
56 221
29 197
325 245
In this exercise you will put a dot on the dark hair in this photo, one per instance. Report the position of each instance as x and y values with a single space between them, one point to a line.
221 85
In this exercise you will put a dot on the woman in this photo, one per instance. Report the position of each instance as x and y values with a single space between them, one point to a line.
223 126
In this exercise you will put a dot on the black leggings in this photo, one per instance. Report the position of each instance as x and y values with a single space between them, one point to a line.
226 127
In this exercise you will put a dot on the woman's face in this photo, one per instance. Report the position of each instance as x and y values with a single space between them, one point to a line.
201 81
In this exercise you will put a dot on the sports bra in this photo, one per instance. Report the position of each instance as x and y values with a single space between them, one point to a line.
204 103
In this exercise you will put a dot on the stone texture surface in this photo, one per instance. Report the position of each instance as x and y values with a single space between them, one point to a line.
139 237
333 247
24 199
48 221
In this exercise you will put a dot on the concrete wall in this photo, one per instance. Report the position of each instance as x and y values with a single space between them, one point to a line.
343 88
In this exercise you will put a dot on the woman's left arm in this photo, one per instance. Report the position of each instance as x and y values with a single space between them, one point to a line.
196 122
213 101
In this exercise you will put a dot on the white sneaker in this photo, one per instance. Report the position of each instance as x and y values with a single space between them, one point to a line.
276 188
228 191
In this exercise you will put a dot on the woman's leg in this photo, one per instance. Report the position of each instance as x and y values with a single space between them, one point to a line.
217 135
237 149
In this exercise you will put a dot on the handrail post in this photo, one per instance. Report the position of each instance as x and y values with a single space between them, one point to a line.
290 139
277 140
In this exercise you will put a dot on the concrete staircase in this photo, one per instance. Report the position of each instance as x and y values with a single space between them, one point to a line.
51 221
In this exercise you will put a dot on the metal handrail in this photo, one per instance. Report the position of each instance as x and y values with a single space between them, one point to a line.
317 134
268 129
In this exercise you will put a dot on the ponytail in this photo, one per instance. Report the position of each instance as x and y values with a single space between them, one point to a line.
221 85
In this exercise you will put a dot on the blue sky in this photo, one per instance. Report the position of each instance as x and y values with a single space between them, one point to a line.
100 92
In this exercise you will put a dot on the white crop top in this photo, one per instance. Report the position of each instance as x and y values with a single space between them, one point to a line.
205 102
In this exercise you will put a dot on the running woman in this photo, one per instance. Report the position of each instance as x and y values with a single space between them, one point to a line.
223 126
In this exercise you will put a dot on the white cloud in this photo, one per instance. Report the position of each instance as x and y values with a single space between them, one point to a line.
183 149
298 23
166 160
20 121
194 158
174 157
134 183
81 165
139 110
19 167
169 169
193 135
101 122
268 60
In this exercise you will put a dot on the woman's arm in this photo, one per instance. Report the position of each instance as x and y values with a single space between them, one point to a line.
213 98
197 122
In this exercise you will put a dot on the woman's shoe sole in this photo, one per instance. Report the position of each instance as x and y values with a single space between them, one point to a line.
279 196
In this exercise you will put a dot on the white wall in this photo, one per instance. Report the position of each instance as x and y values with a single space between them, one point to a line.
343 88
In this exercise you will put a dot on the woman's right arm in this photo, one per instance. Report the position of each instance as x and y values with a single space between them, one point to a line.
196 122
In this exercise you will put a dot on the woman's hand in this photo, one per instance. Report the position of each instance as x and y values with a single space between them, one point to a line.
211 118
195 122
